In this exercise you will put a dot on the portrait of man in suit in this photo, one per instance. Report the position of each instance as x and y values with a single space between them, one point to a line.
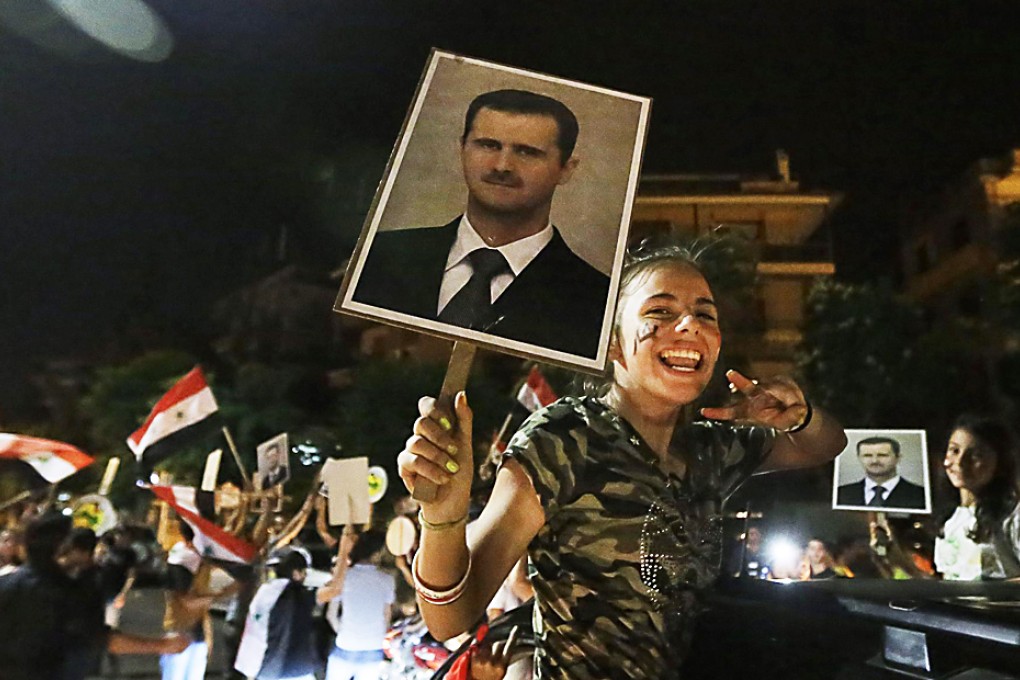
883 487
502 217
273 465
501 267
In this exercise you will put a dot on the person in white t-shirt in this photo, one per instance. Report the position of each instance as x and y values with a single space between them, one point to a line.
979 538
514 592
366 593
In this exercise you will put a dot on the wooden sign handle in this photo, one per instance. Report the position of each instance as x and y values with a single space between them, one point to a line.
457 373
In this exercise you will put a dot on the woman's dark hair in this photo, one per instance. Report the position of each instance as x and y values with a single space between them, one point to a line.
289 563
369 543
997 498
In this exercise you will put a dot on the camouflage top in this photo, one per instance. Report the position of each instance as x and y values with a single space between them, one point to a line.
626 547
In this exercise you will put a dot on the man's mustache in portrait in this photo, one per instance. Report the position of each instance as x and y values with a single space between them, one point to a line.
506 179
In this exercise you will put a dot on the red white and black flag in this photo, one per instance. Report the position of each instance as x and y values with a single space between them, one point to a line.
180 416
535 393
52 460
196 508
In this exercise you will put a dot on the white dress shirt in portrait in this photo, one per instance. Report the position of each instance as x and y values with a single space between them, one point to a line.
458 268
869 488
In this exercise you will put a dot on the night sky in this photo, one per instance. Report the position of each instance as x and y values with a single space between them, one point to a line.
139 192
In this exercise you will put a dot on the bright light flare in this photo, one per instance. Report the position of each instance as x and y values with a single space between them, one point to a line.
128 27
784 556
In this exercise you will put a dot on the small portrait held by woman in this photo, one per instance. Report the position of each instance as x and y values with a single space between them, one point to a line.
979 530
615 496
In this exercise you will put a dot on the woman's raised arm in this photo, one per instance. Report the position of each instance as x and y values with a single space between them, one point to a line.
456 581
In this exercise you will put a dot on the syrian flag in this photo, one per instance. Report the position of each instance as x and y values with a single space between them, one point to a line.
251 653
181 415
53 460
535 393
196 508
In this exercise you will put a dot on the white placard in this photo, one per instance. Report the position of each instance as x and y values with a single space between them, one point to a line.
346 480
111 472
212 470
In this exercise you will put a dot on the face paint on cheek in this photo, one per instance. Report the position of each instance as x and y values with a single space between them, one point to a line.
647 330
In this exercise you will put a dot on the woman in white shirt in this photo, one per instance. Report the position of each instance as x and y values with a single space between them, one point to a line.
366 595
979 538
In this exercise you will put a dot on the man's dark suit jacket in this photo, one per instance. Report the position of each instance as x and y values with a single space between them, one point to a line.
905 495
274 476
558 301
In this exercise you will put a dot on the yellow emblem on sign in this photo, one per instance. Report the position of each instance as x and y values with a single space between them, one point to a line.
378 482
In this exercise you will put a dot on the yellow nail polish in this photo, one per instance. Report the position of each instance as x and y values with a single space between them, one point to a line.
445 423
452 449
452 466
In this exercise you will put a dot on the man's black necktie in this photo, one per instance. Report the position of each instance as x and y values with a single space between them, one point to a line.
471 307
878 500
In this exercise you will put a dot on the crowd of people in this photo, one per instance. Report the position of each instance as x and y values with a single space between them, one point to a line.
604 517
54 598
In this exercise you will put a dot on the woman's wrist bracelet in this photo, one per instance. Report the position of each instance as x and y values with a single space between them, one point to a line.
439 597
440 526
804 423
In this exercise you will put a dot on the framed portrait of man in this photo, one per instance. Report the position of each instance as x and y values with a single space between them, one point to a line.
273 461
502 217
883 471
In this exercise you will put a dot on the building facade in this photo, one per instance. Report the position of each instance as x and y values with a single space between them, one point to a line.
950 248
951 258
786 228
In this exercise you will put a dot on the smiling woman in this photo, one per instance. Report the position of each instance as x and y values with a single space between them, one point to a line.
615 497
979 538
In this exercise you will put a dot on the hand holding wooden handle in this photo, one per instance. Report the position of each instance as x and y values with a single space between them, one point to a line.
457 373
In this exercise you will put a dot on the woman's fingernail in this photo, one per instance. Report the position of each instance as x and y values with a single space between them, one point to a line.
452 449
445 423
452 466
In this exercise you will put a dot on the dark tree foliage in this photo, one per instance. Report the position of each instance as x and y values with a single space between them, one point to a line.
868 358
375 415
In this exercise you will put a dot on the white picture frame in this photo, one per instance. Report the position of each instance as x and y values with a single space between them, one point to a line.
912 494
424 186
